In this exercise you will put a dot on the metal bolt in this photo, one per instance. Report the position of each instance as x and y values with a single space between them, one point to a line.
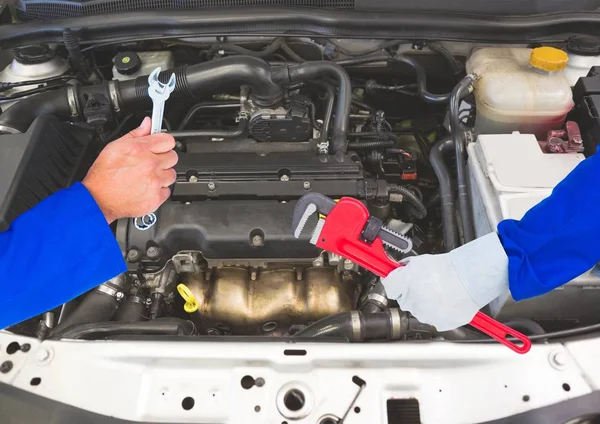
259 382
133 255
6 366
212 186
284 178
119 296
348 264
148 301
558 360
318 261
153 252
25 347
257 240
213 332
193 179
42 354
306 185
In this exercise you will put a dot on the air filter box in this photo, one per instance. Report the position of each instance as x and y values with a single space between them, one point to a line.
50 156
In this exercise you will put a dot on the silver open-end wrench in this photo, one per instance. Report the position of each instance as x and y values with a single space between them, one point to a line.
159 93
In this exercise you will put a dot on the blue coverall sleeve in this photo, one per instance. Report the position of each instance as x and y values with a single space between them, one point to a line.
56 251
559 238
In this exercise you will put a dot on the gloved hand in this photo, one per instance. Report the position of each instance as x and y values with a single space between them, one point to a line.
447 290
131 175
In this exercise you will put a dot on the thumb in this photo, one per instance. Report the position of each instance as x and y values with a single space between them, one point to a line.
141 131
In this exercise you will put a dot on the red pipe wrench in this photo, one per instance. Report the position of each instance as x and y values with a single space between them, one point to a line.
351 232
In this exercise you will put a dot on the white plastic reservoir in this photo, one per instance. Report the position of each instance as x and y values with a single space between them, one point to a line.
584 53
520 89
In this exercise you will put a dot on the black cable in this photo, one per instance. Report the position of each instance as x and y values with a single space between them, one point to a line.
362 105
114 133
291 53
37 90
267 51
457 67
201 106
542 337
8 85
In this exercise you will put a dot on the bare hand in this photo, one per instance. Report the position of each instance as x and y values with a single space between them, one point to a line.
131 175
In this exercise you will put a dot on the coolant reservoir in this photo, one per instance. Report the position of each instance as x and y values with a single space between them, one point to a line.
520 89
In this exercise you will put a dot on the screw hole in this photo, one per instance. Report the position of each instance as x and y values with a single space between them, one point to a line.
35 381
566 387
357 409
323 240
526 398
247 382
257 408
188 403
12 348
294 400
505 386
440 390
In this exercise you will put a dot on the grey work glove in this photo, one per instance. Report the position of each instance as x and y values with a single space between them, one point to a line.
447 290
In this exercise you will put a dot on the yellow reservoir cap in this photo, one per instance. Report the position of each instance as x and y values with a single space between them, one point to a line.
548 59
191 304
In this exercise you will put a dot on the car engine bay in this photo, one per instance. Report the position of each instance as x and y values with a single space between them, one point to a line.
260 121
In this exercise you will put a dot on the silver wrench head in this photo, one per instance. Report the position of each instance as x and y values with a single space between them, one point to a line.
156 89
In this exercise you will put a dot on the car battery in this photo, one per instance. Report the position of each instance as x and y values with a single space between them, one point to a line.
509 174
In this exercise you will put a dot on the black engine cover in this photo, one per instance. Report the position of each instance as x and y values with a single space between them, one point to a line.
222 229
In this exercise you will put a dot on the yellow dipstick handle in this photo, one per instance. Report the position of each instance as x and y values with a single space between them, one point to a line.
191 304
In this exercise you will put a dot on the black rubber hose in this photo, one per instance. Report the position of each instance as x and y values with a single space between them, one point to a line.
132 309
330 90
370 145
204 106
267 51
526 326
457 67
98 330
356 326
193 82
75 55
436 157
240 131
419 211
422 81
461 90
310 71
20 115
95 307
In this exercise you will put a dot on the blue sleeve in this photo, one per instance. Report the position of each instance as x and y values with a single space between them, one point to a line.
56 251
559 238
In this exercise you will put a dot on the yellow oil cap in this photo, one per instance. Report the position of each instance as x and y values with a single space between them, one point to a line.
548 59
191 304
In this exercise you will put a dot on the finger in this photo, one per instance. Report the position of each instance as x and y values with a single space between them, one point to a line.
169 159
160 143
167 177
165 193
141 131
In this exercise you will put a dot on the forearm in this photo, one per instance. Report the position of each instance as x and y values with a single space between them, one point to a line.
58 250
558 239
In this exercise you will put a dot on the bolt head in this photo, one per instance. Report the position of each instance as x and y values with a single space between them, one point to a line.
284 178
133 255
148 301
153 252
42 354
257 240
306 185
212 186
348 264
193 179
25 347
558 359
119 296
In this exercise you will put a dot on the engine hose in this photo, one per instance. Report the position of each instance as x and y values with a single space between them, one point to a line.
462 89
241 130
97 306
98 330
309 71
356 326
20 115
419 211
133 309
195 81
527 326
436 157
192 82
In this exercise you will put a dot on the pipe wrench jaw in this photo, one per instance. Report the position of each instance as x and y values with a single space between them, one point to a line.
308 205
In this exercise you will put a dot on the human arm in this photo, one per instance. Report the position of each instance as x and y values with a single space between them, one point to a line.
555 241
63 246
